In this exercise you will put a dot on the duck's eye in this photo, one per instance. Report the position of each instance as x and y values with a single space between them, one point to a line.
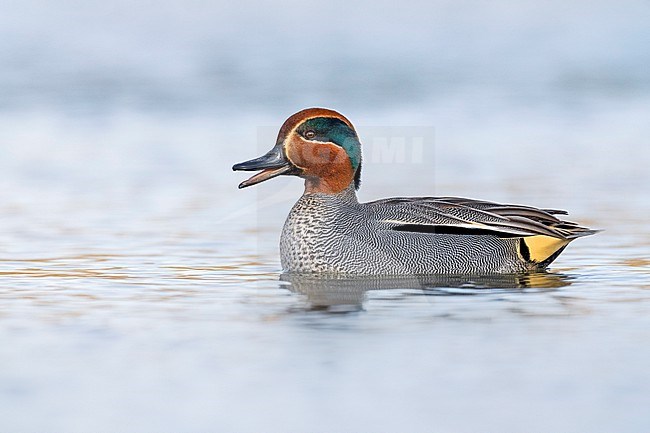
310 134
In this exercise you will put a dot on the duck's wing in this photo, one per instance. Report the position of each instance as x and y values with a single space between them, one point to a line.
449 213
543 233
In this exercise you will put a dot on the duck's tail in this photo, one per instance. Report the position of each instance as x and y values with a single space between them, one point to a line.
542 250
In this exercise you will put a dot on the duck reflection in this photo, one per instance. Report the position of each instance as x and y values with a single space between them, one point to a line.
338 293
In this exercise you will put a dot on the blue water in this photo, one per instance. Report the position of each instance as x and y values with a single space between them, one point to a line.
141 291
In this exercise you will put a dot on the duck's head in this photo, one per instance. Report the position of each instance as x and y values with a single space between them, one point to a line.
317 144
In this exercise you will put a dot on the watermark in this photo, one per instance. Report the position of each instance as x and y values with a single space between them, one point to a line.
379 145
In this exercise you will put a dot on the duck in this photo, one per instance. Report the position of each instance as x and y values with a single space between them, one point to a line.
328 231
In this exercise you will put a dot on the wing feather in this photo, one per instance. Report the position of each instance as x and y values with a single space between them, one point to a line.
457 212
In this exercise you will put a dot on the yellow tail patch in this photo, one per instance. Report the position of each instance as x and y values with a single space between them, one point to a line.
540 247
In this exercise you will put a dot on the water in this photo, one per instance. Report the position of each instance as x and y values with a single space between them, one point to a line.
141 291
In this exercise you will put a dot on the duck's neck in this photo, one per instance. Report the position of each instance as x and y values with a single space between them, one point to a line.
327 185
348 193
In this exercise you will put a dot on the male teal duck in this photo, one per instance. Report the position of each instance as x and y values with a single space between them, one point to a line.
329 231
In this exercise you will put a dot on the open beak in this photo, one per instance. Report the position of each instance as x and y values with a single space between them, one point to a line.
273 164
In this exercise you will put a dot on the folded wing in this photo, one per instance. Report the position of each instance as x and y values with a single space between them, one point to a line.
543 234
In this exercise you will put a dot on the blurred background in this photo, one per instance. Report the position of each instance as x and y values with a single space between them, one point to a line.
104 101
139 286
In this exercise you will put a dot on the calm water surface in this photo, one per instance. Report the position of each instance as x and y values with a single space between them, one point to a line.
140 291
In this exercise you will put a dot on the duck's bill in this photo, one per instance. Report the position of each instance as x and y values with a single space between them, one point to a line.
263 175
273 164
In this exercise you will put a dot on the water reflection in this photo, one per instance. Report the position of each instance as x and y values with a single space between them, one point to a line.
337 293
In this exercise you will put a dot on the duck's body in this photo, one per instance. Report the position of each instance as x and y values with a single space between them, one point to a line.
329 231
334 233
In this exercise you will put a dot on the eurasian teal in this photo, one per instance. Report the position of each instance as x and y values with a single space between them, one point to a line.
329 231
